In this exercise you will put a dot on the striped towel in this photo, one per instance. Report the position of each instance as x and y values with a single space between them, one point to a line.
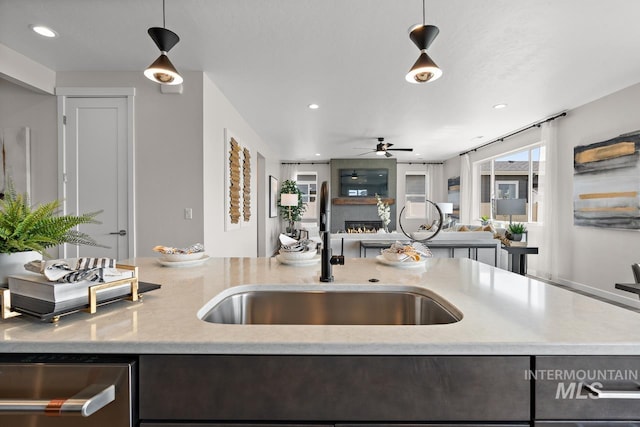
72 270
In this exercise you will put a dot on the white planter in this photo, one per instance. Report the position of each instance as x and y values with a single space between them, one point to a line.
13 263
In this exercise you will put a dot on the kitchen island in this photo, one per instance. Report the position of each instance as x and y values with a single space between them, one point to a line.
504 363
503 313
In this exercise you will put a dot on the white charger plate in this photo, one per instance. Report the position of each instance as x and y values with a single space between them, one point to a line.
298 262
401 264
189 263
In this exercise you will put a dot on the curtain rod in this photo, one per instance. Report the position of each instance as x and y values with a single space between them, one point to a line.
420 163
502 138
305 163
328 163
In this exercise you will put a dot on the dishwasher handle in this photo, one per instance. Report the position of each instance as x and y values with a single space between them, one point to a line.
600 393
85 403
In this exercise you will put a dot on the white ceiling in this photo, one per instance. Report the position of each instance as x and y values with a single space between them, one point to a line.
272 58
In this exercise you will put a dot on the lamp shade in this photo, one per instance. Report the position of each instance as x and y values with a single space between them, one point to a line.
162 71
423 35
424 70
511 206
445 207
289 200
163 38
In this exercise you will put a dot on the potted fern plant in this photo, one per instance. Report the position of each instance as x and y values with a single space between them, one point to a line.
26 232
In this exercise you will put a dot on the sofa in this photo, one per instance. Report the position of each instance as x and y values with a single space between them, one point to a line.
349 243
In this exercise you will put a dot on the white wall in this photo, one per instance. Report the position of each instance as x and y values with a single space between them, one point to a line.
590 259
23 71
595 257
23 107
218 113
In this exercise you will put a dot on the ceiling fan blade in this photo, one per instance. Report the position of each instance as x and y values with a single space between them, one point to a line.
400 149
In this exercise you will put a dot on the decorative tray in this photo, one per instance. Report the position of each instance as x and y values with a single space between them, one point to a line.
49 311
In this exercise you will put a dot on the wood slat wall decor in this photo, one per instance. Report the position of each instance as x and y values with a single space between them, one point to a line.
234 184
246 185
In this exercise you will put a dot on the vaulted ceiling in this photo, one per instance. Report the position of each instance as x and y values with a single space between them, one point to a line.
272 58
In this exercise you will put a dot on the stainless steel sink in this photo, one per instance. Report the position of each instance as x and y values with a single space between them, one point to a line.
329 305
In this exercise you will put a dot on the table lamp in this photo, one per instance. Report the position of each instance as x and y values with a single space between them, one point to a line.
289 200
511 207
446 208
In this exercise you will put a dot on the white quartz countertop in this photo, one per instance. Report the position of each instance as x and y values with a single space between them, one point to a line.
504 313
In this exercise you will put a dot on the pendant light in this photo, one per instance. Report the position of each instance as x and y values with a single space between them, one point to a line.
162 70
424 70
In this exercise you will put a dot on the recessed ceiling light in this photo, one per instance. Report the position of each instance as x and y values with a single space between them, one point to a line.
500 106
314 106
43 31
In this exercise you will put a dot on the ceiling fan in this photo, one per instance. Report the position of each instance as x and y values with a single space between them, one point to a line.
382 149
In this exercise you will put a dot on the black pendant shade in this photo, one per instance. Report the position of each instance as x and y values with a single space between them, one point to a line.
424 70
424 35
162 70
163 38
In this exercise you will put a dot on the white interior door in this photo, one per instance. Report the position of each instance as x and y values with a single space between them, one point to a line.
96 172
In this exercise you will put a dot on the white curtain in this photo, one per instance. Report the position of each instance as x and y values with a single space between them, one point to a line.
435 183
288 171
466 190
548 169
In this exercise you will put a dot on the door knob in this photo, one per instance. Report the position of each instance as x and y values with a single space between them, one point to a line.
120 233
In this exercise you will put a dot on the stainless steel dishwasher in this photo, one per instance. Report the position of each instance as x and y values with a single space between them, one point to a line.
69 391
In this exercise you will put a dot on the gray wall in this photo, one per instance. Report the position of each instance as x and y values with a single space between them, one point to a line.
168 150
341 213
177 138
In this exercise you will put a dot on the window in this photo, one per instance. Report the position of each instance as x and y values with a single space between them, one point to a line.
308 186
506 189
511 176
415 194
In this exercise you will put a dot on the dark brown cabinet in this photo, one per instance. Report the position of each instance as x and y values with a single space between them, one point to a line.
334 389
326 425
563 400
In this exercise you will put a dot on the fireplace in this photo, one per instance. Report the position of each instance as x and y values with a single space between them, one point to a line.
362 226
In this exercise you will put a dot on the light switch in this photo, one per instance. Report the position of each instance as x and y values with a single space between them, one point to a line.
188 213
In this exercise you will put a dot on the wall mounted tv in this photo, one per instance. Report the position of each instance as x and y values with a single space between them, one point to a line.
364 182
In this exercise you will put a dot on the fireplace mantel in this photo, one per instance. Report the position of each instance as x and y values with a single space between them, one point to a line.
360 201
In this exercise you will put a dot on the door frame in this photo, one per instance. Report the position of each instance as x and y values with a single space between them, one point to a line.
63 93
